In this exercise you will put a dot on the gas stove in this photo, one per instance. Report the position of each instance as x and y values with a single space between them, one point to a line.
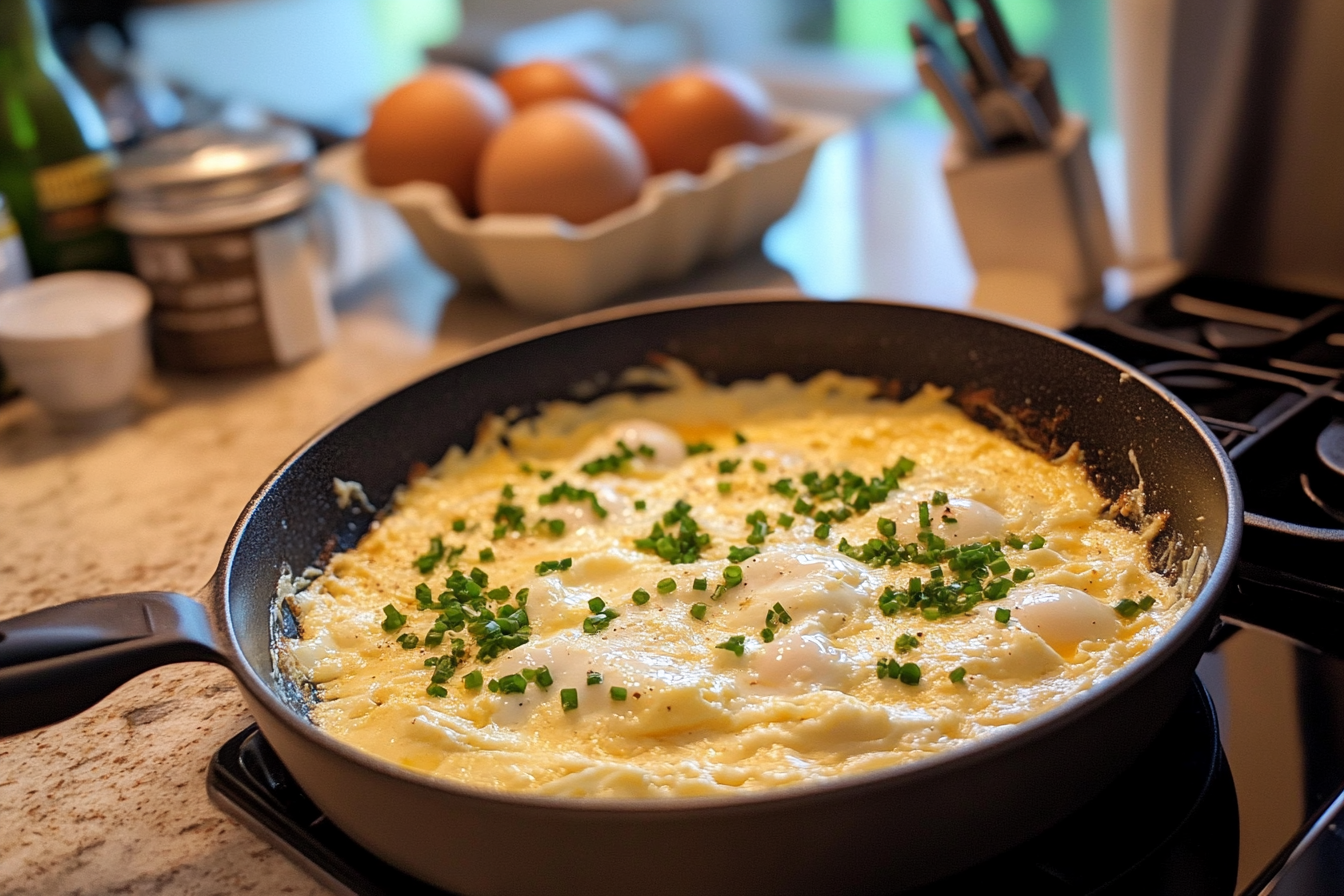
1243 792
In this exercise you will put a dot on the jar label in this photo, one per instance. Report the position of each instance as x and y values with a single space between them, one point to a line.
236 298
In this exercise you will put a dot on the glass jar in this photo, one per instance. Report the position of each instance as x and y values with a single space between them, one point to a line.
218 226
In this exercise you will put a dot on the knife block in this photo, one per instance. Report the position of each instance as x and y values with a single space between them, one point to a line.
1034 226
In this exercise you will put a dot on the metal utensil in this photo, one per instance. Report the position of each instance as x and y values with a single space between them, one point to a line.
1004 97
940 77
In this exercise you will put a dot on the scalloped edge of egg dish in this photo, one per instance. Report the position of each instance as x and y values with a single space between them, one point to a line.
710 590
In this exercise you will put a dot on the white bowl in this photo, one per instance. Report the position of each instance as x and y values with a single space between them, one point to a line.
77 343
543 264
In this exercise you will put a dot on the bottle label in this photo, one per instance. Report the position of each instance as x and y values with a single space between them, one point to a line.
82 181
72 196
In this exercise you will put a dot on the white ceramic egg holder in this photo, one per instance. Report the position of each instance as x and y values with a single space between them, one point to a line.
543 264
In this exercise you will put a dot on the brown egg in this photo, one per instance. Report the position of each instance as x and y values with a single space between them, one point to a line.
683 118
546 79
434 127
567 158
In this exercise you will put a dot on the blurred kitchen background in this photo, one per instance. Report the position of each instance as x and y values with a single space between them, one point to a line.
873 218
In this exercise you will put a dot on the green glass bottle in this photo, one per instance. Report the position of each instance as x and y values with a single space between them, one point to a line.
55 155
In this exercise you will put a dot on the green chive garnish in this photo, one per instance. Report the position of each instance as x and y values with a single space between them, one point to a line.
767 635
698 610
758 466
784 521
667 586
1037 542
1003 614
396 620
459 525
617 693
821 532
725 487
436 690
700 584
569 698
732 575
641 597
487 554
641 504
473 680
594 677
736 644
957 675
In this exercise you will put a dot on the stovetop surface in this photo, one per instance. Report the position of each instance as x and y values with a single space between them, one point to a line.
1262 812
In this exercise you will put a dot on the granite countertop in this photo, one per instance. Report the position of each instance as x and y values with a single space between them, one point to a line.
114 800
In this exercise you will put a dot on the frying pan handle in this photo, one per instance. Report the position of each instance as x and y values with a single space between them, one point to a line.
61 660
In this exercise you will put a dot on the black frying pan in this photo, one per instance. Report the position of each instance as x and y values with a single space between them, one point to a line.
880 831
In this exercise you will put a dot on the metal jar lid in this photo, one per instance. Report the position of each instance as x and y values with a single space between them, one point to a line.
212 178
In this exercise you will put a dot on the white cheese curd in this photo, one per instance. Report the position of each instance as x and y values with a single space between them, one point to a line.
731 602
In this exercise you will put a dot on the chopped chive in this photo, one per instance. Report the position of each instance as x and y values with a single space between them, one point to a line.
436 690
487 554
725 487
545 474
732 575
544 679
617 693
459 525
1000 567
1015 542
910 674
640 597
409 641
939 498
718 592
739 438
957 675
1128 608
699 448
667 586
1146 602
473 680
823 531
736 644
924 520
569 698
641 504
521 597
729 465
594 677
1003 614
396 620
906 642
758 466
767 635
698 610
596 604
784 521
1037 542
737 555
700 584
507 492
645 450
886 527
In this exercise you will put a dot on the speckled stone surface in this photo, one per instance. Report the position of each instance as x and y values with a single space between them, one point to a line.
114 800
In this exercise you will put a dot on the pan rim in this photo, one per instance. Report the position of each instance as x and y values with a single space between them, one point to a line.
985 748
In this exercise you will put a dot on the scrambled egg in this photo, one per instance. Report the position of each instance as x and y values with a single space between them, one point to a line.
610 649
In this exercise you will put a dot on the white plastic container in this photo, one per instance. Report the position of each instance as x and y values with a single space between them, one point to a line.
77 343
543 264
